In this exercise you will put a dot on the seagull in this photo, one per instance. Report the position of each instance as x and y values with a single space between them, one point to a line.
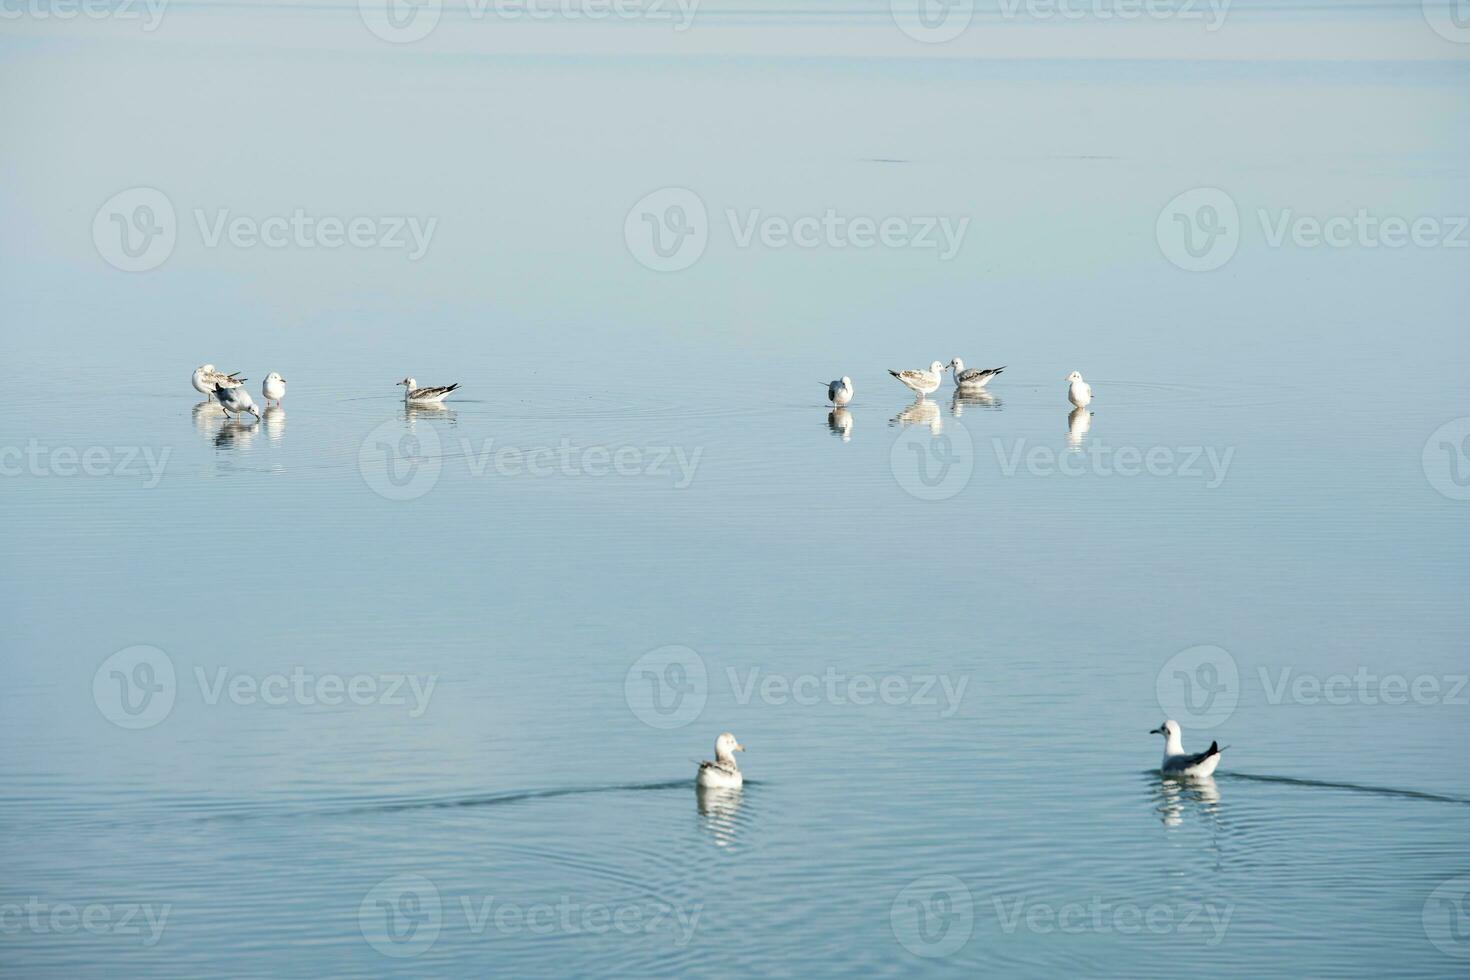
839 392
206 377
1176 763
1080 392
973 378
413 393
273 388
722 773
236 400
921 382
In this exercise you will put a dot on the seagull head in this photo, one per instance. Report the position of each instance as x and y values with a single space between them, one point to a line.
1075 376
846 381
273 376
957 364
410 382
936 368
206 367
726 747
1169 729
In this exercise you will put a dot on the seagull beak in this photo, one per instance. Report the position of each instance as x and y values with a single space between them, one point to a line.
1157 731
739 748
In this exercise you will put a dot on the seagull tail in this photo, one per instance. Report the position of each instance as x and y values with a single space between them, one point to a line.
894 373
1214 749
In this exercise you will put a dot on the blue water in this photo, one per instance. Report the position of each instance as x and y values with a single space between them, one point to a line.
365 690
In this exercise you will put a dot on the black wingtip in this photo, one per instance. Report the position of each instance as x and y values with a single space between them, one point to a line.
1214 749
894 373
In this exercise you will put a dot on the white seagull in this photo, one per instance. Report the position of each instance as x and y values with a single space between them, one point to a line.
723 773
1079 392
206 377
273 388
919 381
974 377
1176 762
236 400
839 392
413 393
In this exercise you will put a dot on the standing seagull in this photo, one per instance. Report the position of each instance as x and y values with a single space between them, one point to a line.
413 393
723 773
1079 392
973 378
206 377
236 400
1176 763
839 392
919 381
273 388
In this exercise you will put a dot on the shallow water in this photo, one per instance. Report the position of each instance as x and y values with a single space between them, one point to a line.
422 691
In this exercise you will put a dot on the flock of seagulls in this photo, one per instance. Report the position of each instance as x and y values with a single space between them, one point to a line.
229 390
926 381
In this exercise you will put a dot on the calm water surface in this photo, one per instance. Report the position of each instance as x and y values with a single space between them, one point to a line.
424 690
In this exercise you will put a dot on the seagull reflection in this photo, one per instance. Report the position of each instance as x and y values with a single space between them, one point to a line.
977 398
921 413
274 418
205 414
1175 794
839 420
720 813
234 434
1078 422
427 410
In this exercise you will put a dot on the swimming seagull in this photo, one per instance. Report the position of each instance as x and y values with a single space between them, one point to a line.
273 388
974 377
206 377
413 393
839 392
723 773
1079 392
1176 762
919 381
236 400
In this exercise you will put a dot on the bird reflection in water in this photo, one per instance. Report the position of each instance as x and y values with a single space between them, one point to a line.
839 420
205 415
434 411
921 413
719 812
978 398
1174 795
234 434
274 420
1078 422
